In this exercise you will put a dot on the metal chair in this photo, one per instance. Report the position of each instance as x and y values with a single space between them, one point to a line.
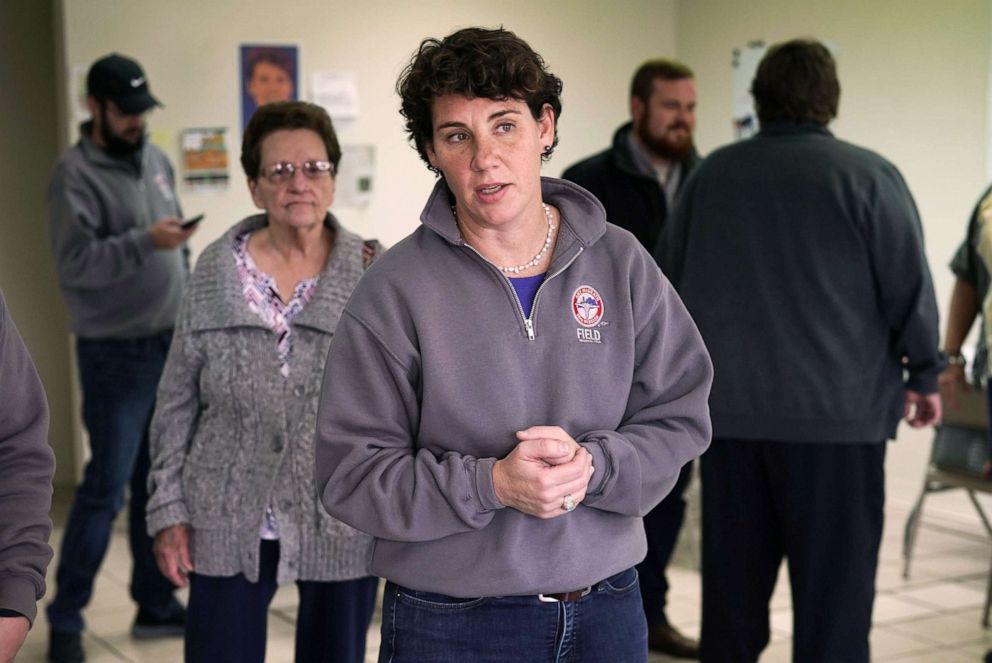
957 459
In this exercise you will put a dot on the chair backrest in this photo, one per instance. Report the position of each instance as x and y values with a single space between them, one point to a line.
959 449
972 410
961 441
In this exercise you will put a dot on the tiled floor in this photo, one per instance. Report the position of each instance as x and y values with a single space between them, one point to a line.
934 616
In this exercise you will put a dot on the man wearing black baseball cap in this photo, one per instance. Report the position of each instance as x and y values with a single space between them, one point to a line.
121 80
118 99
122 263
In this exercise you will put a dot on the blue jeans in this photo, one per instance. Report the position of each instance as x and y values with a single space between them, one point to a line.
119 378
228 616
606 625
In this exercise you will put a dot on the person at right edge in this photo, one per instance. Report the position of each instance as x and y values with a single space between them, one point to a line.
969 297
971 283
801 259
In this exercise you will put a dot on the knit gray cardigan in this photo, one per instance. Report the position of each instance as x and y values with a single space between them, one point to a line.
231 435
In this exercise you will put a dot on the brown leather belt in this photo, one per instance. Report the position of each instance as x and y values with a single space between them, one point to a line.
564 597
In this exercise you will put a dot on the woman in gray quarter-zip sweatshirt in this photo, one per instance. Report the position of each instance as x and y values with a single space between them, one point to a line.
510 388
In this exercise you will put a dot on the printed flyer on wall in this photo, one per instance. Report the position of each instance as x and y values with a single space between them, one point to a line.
204 158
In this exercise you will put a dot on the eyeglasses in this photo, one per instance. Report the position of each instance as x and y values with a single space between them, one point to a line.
282 172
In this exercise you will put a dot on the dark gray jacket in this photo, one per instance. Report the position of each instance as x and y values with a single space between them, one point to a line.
634 201
433 368
115 283
801 259
26 467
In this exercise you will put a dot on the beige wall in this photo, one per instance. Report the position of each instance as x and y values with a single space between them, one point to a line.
914 75
190 48
28 145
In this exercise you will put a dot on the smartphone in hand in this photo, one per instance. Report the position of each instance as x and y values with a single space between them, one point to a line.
189 223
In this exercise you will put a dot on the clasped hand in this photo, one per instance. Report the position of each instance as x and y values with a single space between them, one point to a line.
546 465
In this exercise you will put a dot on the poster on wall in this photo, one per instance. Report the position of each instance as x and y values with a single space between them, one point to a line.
204 158
268 73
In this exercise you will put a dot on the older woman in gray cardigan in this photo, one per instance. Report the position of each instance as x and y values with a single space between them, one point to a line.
233 507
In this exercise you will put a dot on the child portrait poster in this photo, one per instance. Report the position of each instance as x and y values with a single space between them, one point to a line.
268 73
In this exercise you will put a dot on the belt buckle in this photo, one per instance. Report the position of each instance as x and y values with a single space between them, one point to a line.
551 598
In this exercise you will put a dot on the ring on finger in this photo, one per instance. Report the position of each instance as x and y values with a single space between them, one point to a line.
568 502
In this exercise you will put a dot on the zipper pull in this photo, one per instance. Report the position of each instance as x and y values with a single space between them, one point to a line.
529 326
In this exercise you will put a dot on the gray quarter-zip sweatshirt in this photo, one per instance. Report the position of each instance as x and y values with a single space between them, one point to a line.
115 283
26 467
433 368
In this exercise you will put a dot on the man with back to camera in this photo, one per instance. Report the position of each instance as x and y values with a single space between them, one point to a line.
637 180
119 249
801 259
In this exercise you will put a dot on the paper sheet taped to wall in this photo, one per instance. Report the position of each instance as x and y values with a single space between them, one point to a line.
337 92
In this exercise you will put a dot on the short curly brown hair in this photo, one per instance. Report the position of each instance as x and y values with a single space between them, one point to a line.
286 115
476 63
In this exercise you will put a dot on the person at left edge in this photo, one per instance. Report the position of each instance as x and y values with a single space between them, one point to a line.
26 468
510 388
122 265
233 504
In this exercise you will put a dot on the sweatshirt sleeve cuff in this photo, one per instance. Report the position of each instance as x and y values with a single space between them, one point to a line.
484 485
600 464
19 593
143 242
925 381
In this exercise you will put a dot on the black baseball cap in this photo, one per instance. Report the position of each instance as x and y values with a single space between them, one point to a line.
121 80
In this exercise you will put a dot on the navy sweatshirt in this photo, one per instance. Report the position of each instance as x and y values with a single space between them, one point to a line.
800 257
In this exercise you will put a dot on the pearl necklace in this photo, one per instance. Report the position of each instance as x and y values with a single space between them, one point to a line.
540 254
